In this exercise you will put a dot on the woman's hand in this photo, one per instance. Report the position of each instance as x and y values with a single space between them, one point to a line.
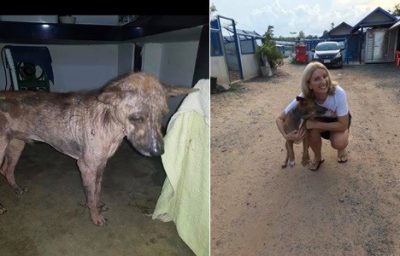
296 135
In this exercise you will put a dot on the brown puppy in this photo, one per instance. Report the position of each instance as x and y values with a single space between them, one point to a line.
305 109
88 127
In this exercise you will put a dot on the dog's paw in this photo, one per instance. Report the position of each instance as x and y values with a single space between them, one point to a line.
98 219
305 162
19 191
2 210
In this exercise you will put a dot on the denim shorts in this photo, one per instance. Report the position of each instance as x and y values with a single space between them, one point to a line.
327 134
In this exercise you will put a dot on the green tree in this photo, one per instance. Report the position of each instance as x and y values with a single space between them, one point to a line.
269 34
396 11
269 49
301 34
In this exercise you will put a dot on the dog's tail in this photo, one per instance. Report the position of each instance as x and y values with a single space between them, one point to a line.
178 90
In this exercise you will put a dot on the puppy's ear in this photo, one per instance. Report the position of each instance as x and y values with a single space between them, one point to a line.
175 91
110 97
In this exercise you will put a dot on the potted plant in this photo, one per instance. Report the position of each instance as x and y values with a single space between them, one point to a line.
269 54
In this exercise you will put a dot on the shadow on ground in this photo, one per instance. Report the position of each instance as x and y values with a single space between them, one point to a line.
51 220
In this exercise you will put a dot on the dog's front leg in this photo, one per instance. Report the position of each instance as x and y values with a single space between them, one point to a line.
11 157
285 163
91 183
99 177
306 157
2 209
291 161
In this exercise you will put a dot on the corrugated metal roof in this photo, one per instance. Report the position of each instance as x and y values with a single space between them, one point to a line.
395 25
246 33
378 17
342 27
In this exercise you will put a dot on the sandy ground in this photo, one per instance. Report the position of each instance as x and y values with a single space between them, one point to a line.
50 219
257 208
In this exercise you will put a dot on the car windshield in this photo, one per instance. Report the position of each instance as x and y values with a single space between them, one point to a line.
327 47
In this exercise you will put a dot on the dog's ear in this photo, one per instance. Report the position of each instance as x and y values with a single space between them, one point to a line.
171 91
110 97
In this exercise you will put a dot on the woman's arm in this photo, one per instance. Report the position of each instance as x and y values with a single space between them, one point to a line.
295 135
339 126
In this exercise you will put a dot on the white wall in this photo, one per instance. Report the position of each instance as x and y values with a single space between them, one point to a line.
173 63
177 68
125 58
80 67
151 58
250 66
219 70
178 62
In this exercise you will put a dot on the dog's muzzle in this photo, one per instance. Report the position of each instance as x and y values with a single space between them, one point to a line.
157 149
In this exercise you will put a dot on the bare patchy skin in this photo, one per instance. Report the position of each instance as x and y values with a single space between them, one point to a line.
305 109
88 127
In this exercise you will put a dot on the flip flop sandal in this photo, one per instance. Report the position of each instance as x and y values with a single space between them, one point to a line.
318 165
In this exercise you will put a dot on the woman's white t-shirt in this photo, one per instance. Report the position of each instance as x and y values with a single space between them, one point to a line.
336 103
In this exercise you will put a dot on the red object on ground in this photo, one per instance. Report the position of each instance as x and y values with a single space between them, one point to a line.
397 58
301 53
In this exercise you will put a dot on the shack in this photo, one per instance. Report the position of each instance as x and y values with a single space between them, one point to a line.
378 42
233 51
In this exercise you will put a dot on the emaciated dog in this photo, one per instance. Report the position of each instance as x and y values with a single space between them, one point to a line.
305 109
88 126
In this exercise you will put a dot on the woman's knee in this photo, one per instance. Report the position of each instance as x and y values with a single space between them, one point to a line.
339 140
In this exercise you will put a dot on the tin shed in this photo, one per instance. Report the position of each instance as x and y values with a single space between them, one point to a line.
233 51
378 42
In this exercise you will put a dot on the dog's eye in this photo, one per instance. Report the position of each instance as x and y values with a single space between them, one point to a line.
136 117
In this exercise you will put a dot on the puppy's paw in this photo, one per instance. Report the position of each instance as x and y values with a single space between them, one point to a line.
305 160
20 191
98 219
2 210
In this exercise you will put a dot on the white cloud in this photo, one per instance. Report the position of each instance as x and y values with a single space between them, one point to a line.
311 16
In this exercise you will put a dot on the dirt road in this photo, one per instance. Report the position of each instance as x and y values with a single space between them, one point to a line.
343 209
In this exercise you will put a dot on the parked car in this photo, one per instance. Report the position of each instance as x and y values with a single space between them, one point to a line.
329 53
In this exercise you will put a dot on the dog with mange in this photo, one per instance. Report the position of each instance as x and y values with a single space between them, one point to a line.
304 110
88 127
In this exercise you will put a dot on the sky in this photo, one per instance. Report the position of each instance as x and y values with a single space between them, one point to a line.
310 16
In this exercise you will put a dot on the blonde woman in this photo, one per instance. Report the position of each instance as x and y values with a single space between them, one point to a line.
316 84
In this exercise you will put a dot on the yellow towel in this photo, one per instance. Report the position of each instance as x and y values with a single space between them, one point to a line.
186 191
